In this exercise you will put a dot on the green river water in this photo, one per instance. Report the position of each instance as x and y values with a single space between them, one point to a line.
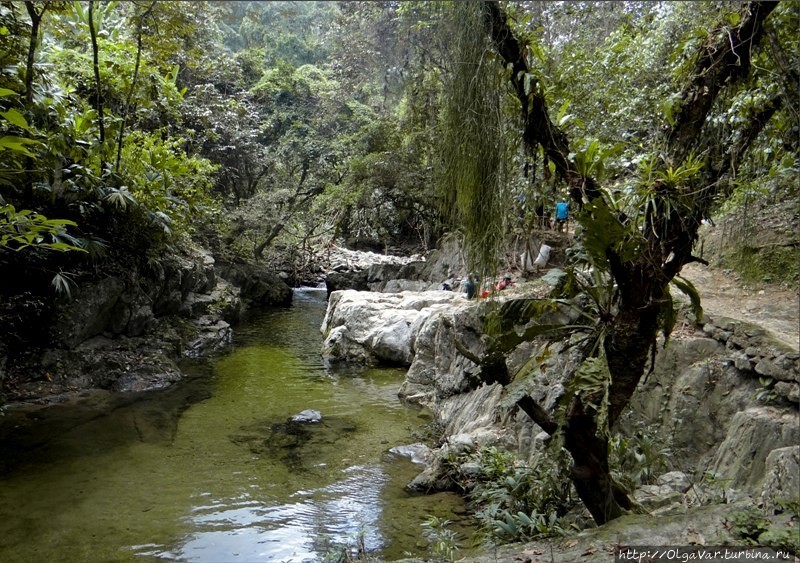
209 470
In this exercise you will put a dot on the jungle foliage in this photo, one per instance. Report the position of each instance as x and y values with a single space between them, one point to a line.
133 123
128 128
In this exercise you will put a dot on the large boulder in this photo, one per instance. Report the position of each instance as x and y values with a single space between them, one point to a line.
350 279
378 327
89 313
447 259
259 286
438 369
702 401
385 277
782 474
125 331
174 276
183 283
753 435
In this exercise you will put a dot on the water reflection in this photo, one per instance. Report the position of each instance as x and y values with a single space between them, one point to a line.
209 491
317 520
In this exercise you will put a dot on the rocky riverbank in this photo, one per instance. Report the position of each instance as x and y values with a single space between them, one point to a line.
126 332
722 401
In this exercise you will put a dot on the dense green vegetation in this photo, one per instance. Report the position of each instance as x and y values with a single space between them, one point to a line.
268 130
138 121
133 128
279 124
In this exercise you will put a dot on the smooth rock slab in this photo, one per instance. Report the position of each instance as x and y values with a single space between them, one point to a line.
417 453
372 328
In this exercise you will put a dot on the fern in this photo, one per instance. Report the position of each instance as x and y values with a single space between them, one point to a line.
603 231
120 197
63 284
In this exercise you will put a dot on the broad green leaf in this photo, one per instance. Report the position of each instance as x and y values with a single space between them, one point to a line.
80 12
537 52
59 222
16 118
562 112
604 231
591 377
64 247
16 144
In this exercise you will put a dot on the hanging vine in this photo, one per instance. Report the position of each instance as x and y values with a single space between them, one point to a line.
472 174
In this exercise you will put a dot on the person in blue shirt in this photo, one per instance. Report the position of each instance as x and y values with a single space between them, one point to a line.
471 286
562 215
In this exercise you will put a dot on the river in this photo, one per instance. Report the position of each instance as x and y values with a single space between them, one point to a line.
210 470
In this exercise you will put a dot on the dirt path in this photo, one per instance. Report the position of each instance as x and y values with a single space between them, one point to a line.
775 308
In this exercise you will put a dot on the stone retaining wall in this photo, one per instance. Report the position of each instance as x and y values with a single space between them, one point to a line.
753 351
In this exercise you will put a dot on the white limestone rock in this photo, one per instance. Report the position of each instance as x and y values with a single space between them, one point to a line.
375 328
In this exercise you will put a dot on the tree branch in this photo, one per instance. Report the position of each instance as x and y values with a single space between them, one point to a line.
97 85
538 414
720 62
36 20
538 130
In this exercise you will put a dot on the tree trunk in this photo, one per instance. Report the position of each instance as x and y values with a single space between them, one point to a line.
36 19
129 100
96 67
538 130
273 233
720 62
590 470
294 202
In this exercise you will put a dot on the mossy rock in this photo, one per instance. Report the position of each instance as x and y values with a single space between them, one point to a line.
775 264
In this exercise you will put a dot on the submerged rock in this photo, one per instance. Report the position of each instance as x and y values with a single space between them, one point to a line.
297 441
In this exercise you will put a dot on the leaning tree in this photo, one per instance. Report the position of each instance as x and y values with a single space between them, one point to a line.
640 251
